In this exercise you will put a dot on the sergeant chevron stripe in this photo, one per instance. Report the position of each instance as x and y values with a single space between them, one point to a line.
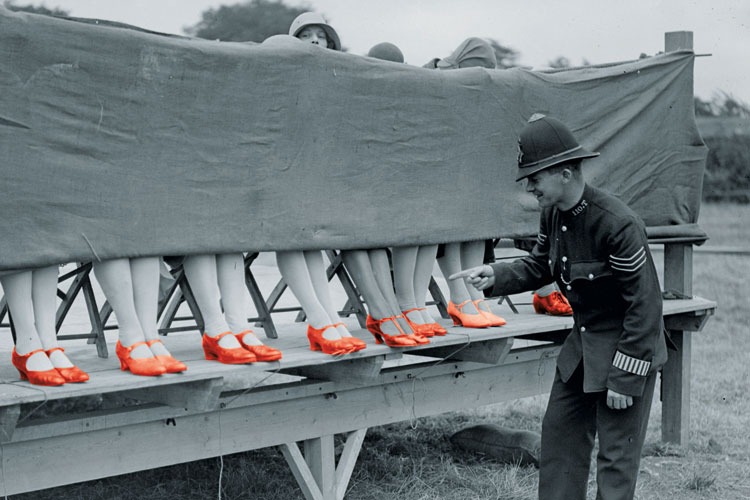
541 239
628 264
631 365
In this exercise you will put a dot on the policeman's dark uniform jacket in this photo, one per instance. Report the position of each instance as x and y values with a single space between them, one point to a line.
598 254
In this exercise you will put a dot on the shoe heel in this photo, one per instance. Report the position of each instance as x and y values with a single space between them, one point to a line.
210 356
23 375
378 338
314 346
123 366
456 320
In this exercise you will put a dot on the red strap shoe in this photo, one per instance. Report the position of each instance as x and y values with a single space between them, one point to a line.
36 377
554 304
71 374
229 356
262 352
466 320
320 343
148 367
423 330
170 363
401 340
487 313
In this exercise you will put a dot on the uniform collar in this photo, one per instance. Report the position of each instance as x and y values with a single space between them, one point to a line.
582 204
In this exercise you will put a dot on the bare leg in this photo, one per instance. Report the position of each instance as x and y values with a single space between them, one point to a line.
422 275
317 269
404 266
17 288
450 263
357 262
472 255
201 273
294 270
44 299
146 278
114 276
382 270
230 269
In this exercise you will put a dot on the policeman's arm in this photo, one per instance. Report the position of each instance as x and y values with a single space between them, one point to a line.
633 268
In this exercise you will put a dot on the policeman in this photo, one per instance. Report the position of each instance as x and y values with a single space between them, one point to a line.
596 249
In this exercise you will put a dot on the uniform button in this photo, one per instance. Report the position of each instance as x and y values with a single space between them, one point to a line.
549 262
564 228
583 328
569 287
591 276
564 259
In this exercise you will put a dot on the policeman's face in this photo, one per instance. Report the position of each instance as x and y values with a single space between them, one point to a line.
314 34
548 186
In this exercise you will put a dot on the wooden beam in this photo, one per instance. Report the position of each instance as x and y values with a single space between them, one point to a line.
686 322
678 40
301 471
355 370
487 351
8 421
675 378
201 395
321 459
347 461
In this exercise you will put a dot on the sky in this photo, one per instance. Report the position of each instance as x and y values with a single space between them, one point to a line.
597 31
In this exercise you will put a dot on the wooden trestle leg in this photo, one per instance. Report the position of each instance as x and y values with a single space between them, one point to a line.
318 474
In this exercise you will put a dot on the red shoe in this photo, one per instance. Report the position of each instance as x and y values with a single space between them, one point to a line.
262 352
171 364
36 377
423 330
72 373
229 356
356 343
401 340
149 367
461 318
320 343
554 304
494 318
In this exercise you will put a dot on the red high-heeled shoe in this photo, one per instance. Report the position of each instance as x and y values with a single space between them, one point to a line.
71 373
401 340
423 330
230 356
356 343
320 343
36 377
262 352
461 318
171 364
492 317
149 367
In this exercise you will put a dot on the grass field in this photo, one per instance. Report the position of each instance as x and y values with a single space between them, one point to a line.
415 460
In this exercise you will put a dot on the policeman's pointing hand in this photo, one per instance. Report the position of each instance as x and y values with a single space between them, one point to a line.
479 277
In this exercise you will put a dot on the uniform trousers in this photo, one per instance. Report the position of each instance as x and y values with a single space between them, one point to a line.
572 420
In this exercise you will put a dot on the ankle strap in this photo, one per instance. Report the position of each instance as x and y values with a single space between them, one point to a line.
152 342
58 348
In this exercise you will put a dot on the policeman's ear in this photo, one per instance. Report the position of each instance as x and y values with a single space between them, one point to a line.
566 174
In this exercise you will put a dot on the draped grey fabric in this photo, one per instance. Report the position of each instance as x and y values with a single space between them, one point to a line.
120 143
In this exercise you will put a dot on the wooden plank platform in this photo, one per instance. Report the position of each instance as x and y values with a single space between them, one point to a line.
305 397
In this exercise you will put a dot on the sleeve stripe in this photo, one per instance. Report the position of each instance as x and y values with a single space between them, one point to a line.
541 239
631 267
631 365
627 260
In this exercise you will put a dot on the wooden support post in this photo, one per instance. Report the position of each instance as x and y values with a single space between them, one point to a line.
675 378
678 276
8 420
316 472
